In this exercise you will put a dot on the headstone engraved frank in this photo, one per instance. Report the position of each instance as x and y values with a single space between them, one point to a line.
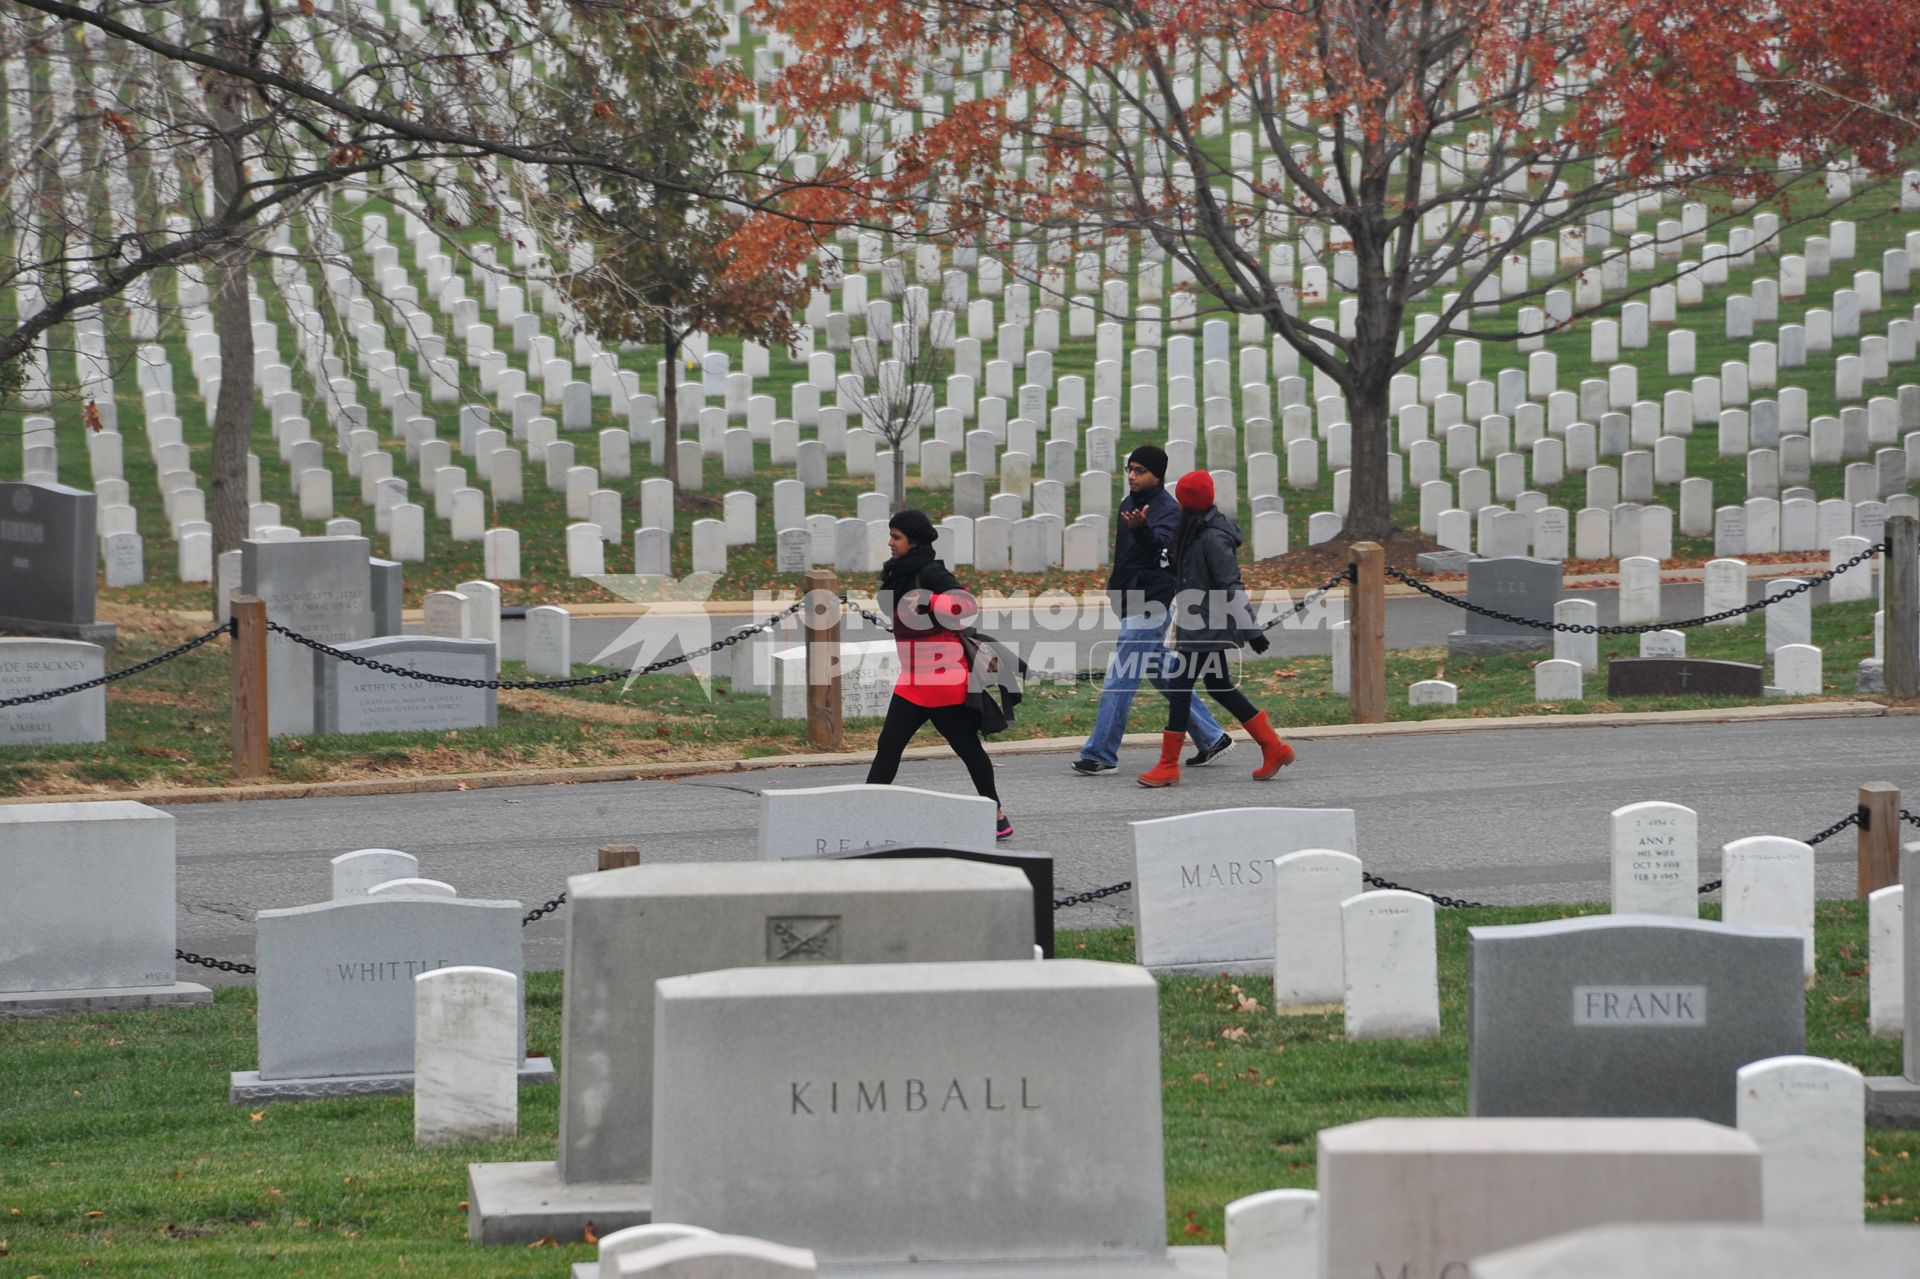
319 587
1626 1015
1518 585
48 555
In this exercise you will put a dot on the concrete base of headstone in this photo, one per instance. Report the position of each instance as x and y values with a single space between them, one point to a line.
1463 644
1179 1263
1709 1252
1871 677
92 632
245 1087
1892 1102
52 1003
1442 561
519 1203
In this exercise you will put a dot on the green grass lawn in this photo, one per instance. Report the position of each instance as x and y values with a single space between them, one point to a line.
119 1154
170 726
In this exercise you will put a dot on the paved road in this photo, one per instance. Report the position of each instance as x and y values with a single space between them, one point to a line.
1506 816
1412 622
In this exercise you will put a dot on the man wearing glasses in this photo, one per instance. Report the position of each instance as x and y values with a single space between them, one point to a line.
1141 586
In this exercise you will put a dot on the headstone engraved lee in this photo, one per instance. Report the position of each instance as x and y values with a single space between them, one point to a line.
1203 882
884 1080
1424 1197
87 914
319 587
627 928
48 555
1626 1015
1656 860
350 698
1518 585
29 666
827 821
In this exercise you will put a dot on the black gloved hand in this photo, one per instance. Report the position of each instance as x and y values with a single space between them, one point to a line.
1259 643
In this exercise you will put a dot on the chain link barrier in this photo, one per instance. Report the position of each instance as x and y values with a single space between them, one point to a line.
207 961
1438 899
1583 628
1093 895
225 628
544 909
1910 818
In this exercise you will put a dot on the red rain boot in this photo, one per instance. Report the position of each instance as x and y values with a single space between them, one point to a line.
1274 753
1167 771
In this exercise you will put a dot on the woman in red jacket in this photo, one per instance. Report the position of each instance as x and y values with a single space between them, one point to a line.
929 608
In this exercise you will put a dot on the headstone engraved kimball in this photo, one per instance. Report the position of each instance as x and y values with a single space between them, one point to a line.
87 914
319 587
1424 1197
826 821
30 666
1203 882
349 698
1656 860
1517 585
48 554
1626 1015
1680 676
628 928
885 1081
336 989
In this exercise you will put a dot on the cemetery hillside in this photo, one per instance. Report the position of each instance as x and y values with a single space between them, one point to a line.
494 495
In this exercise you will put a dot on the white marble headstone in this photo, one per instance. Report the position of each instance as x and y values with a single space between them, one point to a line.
466 1055
1806 1114
354 873
1308 889
1769 882
1656 860
1393 979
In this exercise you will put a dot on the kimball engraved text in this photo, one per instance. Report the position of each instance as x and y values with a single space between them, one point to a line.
910 1096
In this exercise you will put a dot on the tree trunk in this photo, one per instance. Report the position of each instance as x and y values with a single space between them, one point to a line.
670 409
227 499
1369 513
900 502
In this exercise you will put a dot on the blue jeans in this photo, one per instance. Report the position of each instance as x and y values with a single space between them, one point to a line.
1140 651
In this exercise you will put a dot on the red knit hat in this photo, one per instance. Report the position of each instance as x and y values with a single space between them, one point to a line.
1194 491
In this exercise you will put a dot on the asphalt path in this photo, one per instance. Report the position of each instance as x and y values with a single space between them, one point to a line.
1497 815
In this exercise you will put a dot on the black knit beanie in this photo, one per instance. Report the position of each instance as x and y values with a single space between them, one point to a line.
1151 456
918 528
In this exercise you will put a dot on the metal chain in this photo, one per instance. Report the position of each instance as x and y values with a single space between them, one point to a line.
725 641
1581 628
1093 895
1439 899
1911 818
552 904
1348 574
224 628
207 961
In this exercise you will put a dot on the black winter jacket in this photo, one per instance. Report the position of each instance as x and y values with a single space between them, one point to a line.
1211 608
1143 560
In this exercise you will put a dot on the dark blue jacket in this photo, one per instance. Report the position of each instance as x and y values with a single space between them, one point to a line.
1143 561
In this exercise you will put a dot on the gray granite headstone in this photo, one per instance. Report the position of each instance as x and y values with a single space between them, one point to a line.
348 698
1633 1016
387 592
1515 584
48 554
37 665
1680 676
319 587
336 979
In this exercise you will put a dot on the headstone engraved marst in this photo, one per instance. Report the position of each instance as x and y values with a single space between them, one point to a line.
628 928
894 1086
827 821
1203 882
1683 676
319 587
87 912
1626 1015
29 666
1424 1197
336 999
48 554
1518 585
349 698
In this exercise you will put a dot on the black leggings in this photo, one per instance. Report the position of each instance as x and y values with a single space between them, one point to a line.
956 724
1207 666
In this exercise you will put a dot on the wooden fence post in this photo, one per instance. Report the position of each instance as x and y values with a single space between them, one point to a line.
614 856
1900 640
1879 832
249 699
822 616
1367 635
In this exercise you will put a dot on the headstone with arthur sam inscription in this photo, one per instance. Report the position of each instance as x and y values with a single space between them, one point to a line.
48 558
350 698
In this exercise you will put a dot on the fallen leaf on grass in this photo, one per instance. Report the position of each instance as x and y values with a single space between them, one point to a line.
96 1213
255 1116
588 1236
1238 1034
